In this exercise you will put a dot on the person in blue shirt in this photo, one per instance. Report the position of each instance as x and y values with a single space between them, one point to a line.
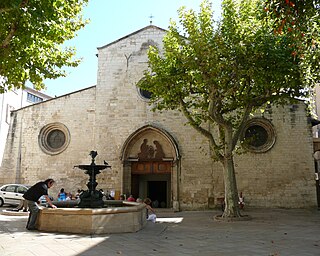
62 196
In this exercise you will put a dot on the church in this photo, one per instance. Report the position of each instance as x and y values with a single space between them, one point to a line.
154 154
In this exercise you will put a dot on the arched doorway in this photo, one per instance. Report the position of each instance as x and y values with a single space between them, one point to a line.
150 167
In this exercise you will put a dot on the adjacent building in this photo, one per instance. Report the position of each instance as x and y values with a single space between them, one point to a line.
12 100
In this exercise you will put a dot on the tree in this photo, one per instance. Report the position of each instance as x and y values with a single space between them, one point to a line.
220 72
31 35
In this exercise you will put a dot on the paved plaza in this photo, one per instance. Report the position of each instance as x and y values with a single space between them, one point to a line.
271 232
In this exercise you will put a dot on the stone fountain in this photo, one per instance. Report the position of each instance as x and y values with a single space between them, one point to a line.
90 216
92 198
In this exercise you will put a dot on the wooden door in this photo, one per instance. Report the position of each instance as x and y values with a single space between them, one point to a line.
151 167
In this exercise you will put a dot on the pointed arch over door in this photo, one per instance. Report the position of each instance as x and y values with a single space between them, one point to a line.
150 159
132 145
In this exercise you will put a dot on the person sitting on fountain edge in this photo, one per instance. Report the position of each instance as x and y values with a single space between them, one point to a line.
62 196
32 196
151 214
131 199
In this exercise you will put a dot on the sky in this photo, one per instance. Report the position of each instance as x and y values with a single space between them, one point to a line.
109 21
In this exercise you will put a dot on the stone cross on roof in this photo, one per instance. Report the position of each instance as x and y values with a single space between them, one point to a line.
151 16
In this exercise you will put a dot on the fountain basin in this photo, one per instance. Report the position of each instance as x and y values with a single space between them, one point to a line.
131 217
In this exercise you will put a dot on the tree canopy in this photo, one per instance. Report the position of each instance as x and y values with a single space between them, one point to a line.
31 36
298 20
219 72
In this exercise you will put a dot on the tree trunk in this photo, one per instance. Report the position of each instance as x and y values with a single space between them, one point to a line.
231 191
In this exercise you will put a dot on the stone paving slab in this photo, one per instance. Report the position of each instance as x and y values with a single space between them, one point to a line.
271 232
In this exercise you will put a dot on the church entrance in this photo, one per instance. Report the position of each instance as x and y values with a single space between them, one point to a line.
153 180
151 167
158 191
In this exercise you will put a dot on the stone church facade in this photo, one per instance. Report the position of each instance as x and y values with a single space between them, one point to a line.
153 154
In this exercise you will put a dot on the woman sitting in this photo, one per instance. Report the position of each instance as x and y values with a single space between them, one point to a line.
151 215
62 195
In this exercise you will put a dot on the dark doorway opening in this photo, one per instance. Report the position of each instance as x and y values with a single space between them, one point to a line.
157 192
135 186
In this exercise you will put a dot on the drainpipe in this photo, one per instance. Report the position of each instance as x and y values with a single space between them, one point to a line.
18 167
1 119
1 115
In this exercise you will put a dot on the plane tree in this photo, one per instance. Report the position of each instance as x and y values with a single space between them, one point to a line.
219 72
31 36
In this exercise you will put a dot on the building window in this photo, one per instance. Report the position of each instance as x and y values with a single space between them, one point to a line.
54 138
259 135
145 94
33 98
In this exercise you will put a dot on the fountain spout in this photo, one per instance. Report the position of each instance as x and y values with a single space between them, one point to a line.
92 198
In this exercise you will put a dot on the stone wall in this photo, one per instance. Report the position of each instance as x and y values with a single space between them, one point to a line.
283 176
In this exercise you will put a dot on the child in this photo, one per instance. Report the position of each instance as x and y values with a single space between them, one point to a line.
62 195
151 215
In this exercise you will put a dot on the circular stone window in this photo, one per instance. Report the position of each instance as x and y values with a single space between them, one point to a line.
145 94
259 135
54 138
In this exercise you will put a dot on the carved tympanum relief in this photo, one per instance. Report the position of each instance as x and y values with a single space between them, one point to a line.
150 152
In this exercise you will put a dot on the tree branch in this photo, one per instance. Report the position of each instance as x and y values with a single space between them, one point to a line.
215 113
6 9
10 35
200 129
238 132
14 25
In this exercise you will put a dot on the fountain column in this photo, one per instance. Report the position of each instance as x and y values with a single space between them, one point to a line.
92 198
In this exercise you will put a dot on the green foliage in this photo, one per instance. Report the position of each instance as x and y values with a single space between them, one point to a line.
298 20
221 71
31 36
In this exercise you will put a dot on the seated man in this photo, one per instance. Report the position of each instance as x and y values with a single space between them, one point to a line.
131 199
